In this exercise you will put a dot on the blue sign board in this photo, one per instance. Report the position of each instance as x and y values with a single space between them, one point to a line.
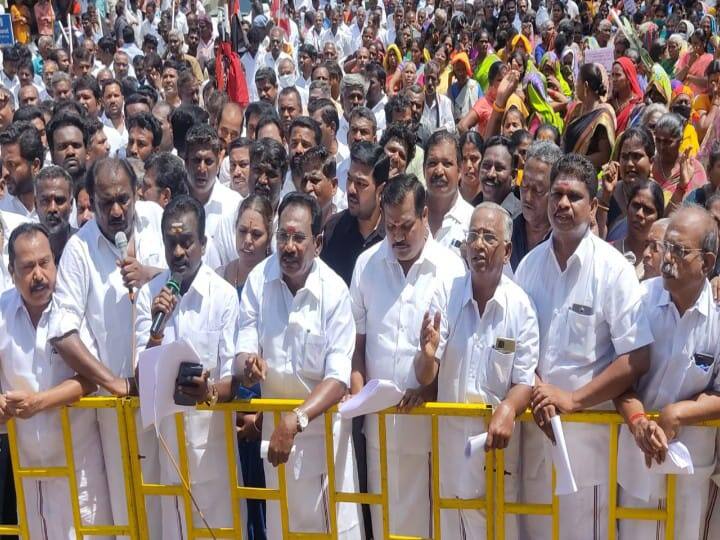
6 31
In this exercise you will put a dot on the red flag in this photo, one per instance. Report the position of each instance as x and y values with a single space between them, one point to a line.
279 13
230 74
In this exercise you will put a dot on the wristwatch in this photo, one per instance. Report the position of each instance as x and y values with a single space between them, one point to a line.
302 419
213 399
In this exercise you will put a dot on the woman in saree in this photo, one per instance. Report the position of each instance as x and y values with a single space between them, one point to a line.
540 104
693 64
676 47
550 68
590 123
485 59
464 91
707 108
391 63
626 91
678 174
682 105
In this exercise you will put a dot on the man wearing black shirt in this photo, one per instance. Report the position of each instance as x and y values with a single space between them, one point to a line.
352 231
532 226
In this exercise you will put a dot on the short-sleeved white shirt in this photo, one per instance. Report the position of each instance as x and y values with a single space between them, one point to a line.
455 225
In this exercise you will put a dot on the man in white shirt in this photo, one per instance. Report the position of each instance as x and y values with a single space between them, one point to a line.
376 97
336 34
437 109
205 313
36 382
353 90
275 53
490 332
682 382
9 221
252 60
324 112
22 157
202 160
92 327
593 337
150 22
392 286
448 213
113 117
296 338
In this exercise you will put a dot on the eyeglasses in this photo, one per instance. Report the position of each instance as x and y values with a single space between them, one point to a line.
678 251
488 239
283 237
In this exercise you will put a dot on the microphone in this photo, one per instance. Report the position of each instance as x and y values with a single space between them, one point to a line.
174 285
121 243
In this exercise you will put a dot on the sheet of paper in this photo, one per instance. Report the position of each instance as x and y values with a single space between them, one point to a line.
677 461
265 445
295 460
605 56
565 481
475 444
147 367
375 396
166 360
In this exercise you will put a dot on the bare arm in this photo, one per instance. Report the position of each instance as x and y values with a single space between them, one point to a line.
502 422
26 404
357 377
468 122
79 358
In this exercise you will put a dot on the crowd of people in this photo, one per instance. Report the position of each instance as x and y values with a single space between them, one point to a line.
506 202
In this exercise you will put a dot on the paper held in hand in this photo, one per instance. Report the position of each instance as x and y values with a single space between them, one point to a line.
375 396
475 444
565 481
158 369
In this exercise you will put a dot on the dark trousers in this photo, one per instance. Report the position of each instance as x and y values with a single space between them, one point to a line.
361 459
8 505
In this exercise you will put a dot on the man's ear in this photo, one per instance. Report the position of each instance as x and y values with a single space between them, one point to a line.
319 241
709 260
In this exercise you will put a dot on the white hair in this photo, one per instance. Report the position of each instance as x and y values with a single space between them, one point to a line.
507 218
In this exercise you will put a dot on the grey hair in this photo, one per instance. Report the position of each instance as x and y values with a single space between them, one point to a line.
652 109
507 218
323 86
354 80
545 151
176 33
678 38
671 122
60 76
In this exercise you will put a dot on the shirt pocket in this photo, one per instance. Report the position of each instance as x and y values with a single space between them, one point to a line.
580 343
699 375
498 372
207 345
312 365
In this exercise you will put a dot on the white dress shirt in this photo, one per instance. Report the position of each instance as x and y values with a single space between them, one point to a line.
207 316
379 111
341 39
269 61
684 361
30 363
438 115
456 222
484 356
117 139
90 289
223 201
388 307
12 205
305 339
589 314
9 221
250 64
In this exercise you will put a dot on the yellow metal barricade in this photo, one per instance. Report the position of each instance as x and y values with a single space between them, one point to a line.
494 503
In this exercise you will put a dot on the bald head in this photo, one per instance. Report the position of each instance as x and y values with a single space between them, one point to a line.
230 123
699 226
690 251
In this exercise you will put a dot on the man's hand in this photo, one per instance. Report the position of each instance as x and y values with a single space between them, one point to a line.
413 398
501 427
134 274
542 419
4 412
118 387
715 285
255 370
430 334
199 389
282 439
164 302
669 421
686 170
545 394
23 404
650 438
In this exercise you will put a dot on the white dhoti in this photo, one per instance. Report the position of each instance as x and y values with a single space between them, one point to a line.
307 486
47 500
117 476
464 478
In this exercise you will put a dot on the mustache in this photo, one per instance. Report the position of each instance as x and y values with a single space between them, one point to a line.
38 286
669 269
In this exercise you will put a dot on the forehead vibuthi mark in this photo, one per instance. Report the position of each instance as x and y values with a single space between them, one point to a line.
177 227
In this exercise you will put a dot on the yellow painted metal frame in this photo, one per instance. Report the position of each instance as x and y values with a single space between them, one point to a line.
494 503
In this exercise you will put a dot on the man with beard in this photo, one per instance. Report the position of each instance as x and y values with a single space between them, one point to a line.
353 89
113 116
23 153
296 339
144 136
593 337
399 109
392 286
289 107
491 334
68 140
267 85
532 226
92 328
319 180
36 383
205 313
682 381
437 108
304 134
239 159
497 175
448 213
202 160
54 198
87 92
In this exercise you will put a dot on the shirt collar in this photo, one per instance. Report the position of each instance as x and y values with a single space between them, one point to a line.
428 250
312 283
455 213
700 305
498 297
201 283
581 252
